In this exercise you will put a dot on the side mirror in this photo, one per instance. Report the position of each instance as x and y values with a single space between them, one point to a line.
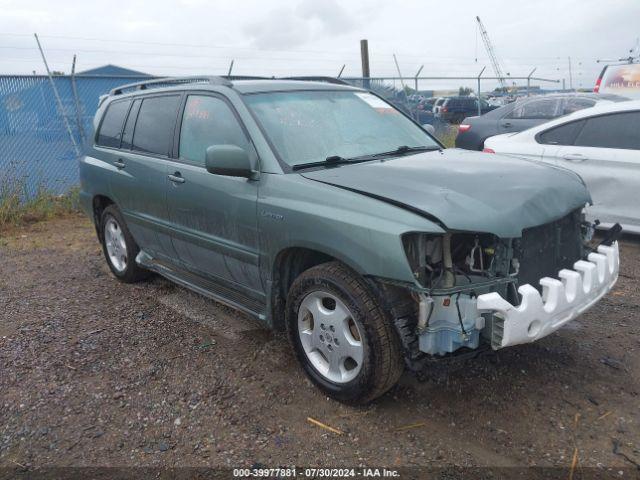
429 128
228 160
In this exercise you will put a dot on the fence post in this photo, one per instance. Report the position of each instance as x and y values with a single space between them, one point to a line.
529 81
416 85
417 75
479 75
76 100
58 100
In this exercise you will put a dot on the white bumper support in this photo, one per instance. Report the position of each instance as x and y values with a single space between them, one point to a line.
561 301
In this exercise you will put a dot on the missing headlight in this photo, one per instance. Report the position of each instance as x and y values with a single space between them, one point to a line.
445 261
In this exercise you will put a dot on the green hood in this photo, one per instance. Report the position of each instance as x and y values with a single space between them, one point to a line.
466 191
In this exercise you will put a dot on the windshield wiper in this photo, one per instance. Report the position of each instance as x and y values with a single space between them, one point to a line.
332 160
402 149
338 160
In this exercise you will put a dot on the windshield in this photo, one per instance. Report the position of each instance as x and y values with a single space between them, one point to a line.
311 126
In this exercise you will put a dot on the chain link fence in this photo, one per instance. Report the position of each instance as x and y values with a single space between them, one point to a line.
37 150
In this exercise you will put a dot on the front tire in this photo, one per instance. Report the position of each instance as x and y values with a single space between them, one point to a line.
119 247
342 337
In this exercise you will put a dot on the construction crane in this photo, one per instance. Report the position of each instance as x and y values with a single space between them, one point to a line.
492 54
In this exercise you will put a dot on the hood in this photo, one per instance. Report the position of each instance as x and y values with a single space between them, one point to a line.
466 190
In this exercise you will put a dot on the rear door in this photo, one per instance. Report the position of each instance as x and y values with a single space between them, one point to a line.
139 189
606 154
214 216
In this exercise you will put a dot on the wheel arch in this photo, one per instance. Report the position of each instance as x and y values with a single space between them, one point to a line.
288 264
98 205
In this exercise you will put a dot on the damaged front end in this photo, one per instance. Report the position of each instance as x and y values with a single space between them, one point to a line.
478 289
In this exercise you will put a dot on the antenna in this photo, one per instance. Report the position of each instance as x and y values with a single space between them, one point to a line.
492 54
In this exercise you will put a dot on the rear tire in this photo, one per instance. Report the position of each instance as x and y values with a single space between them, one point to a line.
119 247
344 340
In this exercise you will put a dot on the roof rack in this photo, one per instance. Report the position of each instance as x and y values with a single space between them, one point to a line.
169 81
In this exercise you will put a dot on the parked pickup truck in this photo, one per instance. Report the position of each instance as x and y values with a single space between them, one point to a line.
322 210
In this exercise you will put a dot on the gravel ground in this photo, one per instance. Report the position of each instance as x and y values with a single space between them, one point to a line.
95 372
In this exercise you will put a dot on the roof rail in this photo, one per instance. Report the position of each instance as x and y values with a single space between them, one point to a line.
168 81
246 77
335 80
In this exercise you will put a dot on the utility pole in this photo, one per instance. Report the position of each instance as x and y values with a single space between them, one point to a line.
364 54
570 76
58 100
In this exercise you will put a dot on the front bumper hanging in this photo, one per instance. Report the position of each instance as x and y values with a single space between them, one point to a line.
561 301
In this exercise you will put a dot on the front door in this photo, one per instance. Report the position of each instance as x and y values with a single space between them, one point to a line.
213 216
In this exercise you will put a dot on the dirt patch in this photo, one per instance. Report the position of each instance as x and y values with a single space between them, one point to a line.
94 372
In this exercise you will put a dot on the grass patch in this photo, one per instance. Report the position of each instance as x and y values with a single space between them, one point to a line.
448 136
17 208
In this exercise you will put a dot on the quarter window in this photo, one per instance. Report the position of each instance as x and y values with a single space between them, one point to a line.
562 135
618 130
111 128
208 121
154 128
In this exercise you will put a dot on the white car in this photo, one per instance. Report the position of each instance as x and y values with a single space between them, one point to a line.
602 145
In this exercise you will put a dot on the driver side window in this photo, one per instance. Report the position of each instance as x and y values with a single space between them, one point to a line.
208 121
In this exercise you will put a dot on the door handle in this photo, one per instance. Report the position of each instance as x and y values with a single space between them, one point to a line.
176 178
119 164
574 157
506 124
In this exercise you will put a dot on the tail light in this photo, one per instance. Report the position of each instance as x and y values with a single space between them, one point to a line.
463 127
596 89
488 150
444 109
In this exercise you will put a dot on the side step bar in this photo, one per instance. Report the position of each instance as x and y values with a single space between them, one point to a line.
210 289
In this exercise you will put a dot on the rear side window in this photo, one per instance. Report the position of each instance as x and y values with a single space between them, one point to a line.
542 108
618 130
154 127
562 135
111 127
127 134
208 121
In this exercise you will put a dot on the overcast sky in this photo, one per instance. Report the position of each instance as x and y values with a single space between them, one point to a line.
316 37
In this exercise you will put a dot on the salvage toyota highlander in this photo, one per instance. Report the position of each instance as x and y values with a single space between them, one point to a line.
321 209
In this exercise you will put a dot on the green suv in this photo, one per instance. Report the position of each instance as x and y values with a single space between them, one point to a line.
321 209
